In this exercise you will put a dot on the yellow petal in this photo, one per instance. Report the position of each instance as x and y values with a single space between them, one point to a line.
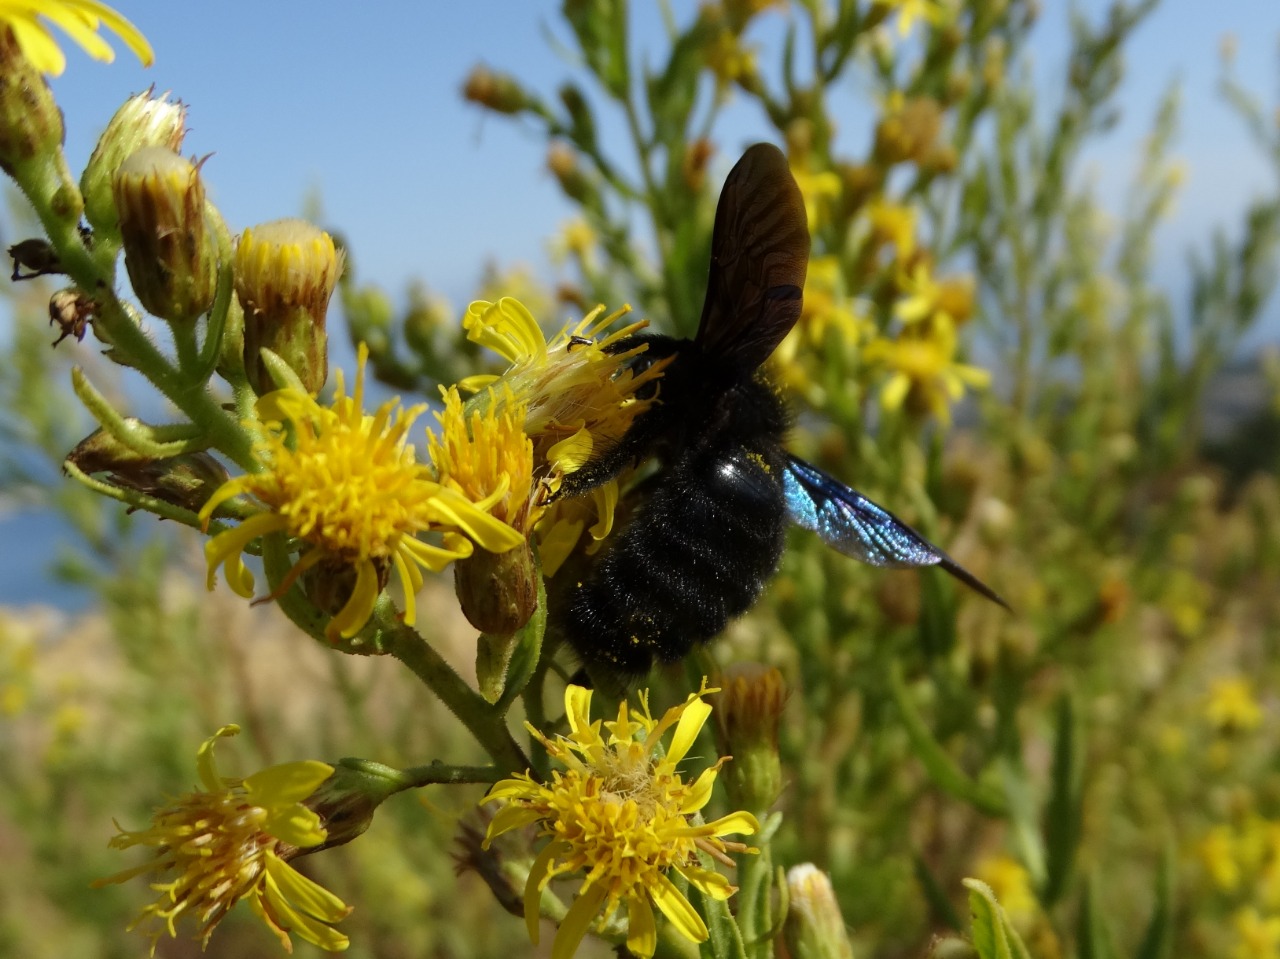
309 896
533 890
511 817
571 453
642 931
287 782
38 46
700 792
577 709
691 721
678 910
708 881
359 607
742 823
316 906
206 768
225 549
576 922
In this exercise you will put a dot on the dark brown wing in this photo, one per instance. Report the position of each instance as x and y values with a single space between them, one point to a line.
759 254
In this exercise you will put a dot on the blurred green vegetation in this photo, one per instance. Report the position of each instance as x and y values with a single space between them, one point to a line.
1101 757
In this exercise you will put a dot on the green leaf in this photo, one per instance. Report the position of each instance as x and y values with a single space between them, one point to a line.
993 936
941 767
1157 942
1093 937
935 894
1022 815
1063 811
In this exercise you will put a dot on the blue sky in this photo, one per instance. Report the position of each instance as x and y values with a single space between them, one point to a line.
361 104
292 97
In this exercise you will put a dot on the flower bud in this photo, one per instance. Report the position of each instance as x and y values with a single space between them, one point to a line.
500 92
347 800
143 121
30 121
562 161
169 249
814 928
286 271
749 709
498 592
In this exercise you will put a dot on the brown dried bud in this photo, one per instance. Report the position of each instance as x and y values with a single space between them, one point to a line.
37 256
71 311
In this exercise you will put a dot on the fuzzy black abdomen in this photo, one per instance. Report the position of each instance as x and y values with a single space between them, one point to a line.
697 553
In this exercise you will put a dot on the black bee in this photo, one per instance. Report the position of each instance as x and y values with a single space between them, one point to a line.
706 532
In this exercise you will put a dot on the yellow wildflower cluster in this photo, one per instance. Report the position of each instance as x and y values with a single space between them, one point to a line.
349 488
622 814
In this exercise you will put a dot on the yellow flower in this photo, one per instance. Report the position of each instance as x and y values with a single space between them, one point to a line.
232 840
1011 883
950 299
1258 937
78 19
347 485
621 813
578 395
482 450
935 12
1232 707
893 223
924 374
820 189
1217 852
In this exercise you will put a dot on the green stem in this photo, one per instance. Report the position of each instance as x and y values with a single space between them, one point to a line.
190 396
440 773
482 721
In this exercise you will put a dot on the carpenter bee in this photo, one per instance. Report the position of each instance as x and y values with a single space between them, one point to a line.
706 529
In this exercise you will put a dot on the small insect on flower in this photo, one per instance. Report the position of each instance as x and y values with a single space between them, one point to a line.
233 840
347 485
622 814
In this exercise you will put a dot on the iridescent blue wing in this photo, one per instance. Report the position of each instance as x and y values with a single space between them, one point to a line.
851 524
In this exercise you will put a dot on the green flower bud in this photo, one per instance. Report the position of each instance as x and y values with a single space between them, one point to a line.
286 272
169 248
347 800
143 121
814 928
748 710
498 592
30 121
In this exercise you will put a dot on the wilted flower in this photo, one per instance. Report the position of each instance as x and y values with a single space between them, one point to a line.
232 840
622 814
